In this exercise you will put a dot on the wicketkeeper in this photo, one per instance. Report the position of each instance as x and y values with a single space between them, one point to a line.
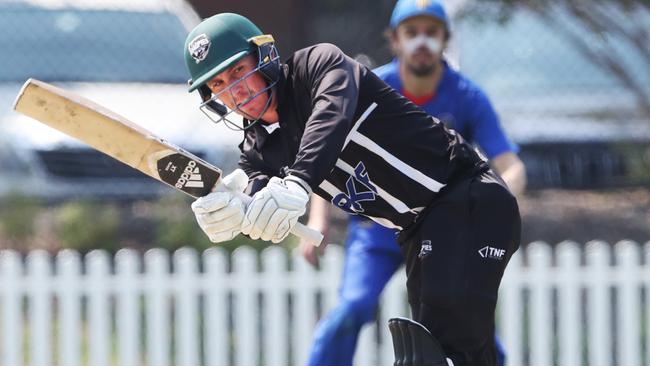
321 122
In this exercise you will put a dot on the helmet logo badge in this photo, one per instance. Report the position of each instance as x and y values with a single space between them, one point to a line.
421 4
199 47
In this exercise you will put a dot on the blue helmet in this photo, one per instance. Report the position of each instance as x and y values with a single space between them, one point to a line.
405 9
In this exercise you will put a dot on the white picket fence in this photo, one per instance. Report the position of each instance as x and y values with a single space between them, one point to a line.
564 306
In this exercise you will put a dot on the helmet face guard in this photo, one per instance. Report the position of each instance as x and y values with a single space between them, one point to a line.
268 65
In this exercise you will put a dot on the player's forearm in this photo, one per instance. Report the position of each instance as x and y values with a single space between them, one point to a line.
318 214
512 170
515 178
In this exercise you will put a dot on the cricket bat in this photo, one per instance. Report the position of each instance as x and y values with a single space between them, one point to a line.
123 140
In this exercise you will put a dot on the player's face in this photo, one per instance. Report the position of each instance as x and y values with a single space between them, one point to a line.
419 42
238 87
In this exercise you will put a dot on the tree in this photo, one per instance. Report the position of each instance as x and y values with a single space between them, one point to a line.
610 21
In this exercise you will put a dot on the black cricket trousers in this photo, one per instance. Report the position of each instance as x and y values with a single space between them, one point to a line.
455 256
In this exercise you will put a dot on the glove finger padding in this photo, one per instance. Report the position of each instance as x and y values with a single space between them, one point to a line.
226 221
270 231
233 207
283 228
260 223
211 203
274 210
224 236
250 225
219 215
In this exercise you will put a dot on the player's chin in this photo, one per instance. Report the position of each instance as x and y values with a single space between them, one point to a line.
423 58
254 107
421 70
250 113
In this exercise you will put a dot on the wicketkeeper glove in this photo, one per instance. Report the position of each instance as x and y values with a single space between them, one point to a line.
220 214
275 209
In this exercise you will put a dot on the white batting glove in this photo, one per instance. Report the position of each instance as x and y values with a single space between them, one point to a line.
275 209
220 214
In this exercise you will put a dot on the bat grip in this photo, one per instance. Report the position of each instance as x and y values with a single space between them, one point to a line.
311 236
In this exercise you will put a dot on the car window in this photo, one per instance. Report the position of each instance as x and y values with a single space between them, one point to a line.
90 45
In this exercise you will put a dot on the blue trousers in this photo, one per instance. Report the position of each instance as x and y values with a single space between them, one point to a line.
371 258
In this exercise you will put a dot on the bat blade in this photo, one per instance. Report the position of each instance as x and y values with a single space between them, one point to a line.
116 136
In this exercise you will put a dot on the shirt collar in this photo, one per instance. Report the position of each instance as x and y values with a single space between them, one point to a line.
270 128
261 133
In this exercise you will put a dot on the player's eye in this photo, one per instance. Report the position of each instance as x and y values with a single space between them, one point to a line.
215 85
410 33
432 32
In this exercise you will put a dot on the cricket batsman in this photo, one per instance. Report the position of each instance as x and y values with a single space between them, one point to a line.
419 32
321 122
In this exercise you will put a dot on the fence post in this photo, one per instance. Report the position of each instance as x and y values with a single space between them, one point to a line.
99 334
569 322
646 279
187 306
216 307
539 254
629 303
276 335
68 263
40 307
156 263
245 314
304 280
12 318
128 321
598 299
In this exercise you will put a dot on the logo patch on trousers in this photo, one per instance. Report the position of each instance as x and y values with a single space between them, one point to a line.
425 248
492 253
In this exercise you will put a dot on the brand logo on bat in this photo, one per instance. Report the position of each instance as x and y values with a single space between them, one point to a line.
191 177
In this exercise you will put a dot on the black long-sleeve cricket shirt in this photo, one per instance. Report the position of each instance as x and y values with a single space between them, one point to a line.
357 142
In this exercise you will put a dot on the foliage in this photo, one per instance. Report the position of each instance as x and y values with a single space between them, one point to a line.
613 24
86 225
17 217
175 226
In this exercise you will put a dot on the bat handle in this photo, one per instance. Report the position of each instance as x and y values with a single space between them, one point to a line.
304 232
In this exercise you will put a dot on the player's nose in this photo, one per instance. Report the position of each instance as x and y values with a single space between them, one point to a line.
240 92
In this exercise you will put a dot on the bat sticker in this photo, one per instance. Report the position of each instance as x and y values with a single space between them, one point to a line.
191 176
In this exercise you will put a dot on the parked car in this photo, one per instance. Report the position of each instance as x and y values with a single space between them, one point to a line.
125 55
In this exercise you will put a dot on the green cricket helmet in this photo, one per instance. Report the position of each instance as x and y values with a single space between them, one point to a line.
219 42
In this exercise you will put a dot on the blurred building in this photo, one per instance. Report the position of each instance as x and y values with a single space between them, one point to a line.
355 26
